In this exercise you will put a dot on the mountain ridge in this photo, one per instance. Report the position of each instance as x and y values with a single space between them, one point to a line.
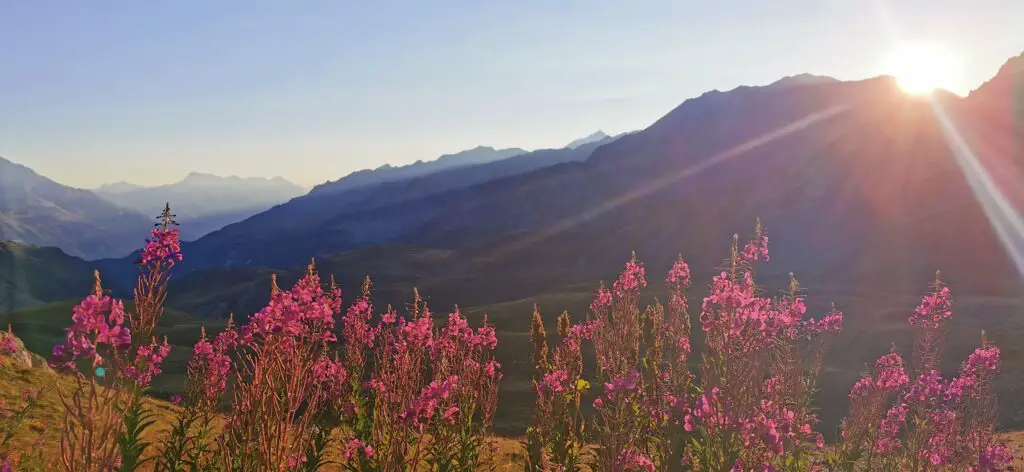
590 138
387 172
39 211
841 131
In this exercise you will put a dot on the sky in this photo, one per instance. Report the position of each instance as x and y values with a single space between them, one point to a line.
146 92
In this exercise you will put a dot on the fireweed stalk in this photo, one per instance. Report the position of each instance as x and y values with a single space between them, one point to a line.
434 392
758 371
162 251
461 430
924 422
284 378
556 439
189 442
104 418
400 377
751 406
619 415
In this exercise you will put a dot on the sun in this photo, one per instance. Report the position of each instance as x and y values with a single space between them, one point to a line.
920 69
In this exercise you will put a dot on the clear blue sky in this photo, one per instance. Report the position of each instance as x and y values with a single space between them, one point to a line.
147 91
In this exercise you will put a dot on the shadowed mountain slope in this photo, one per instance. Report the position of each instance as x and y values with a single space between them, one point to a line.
38 211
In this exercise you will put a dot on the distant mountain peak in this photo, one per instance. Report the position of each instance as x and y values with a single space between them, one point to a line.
202 177
213 179
803 79
118 187
388 173
591 138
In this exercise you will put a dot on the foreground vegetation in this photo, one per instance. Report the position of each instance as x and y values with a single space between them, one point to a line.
301 386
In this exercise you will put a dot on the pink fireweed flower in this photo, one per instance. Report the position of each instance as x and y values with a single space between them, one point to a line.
485 338
621 386
94 322
928 389
7 346
679 274
737 320
997 457
584 331
295 460
214 360
147 363
683 348
419 332
830 323
890 372
554 382
756 249
354 447
983 359
388 318
162 246
862 388
422 408
935 308
773 426
602 300
889 430
330 377
979 367
305 311
633 461
941 443
493 369
450 415
632 278
710 409
356 328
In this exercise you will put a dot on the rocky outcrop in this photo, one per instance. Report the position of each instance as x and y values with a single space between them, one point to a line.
13 350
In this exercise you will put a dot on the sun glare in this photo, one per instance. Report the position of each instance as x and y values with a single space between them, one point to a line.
921 69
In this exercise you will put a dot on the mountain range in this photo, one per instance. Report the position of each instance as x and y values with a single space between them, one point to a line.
856 181
203 202
389 173
38 211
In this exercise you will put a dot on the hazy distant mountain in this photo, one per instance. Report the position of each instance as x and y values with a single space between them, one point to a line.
593 137
204 202
388 173
117 187
311 211
38 211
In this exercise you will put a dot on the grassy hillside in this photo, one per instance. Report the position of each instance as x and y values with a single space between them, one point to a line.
40 432
32 276
42 327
